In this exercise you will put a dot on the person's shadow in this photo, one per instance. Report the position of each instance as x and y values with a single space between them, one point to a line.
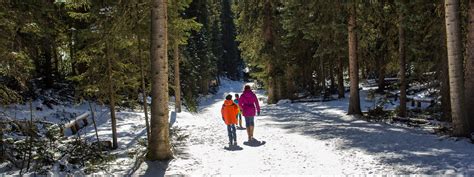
233 148
241 128
254 143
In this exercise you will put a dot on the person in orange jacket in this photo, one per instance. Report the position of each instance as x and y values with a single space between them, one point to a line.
229 112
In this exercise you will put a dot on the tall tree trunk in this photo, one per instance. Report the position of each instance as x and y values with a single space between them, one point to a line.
177 84
271 87
401 52
469 71
445 98
205 85
111 91
277 88
444 78
340 77
143 86
160 148
455 62
268 33
354 102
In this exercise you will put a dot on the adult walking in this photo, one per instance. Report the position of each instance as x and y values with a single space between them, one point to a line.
249 106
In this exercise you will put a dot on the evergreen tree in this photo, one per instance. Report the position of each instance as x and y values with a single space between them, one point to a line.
160 148
469 68
354 102
231 64
453 32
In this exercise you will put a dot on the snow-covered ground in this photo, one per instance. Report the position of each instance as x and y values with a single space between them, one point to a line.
309 138
301 139
130 129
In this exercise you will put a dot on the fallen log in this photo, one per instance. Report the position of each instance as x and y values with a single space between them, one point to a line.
76 124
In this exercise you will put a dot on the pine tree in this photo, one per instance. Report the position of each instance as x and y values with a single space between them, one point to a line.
231 62
180 30
159 148
469 68
453 32
354 102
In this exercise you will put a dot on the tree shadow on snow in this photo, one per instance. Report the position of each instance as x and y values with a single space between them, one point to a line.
172 118
395 145
156 168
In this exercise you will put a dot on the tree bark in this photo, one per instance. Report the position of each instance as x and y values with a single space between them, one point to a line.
268 33
160 148
279 88
354 102
177 84
205 85
444 78
469 71
455 62
401 52
271 91
111 91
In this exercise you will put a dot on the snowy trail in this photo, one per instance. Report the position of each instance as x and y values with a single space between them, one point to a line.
310 138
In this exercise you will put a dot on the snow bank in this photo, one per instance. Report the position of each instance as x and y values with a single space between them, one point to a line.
284 101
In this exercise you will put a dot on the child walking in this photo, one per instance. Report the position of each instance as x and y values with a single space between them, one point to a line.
229 112
239 115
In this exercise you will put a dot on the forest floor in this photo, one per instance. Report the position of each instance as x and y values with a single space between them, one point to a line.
301 139
308 138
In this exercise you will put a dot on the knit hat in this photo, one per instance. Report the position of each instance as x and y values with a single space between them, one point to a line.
247 87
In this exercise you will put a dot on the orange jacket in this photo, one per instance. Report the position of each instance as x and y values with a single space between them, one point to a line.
229 112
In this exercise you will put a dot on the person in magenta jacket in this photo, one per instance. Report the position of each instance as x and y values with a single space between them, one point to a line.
249 106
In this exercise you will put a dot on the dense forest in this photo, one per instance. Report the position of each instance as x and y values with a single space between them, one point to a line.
153 56
327 45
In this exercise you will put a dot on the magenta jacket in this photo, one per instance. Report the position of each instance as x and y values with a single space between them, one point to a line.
248 102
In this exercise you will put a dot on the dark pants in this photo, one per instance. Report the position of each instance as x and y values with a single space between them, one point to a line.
231 133
239 116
